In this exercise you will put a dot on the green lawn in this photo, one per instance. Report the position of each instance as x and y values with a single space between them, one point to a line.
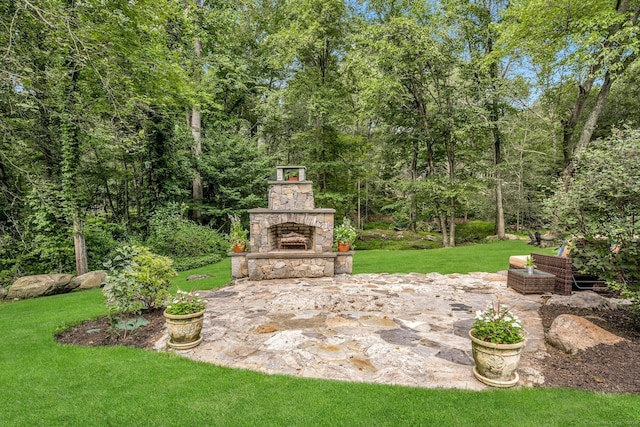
44 383
490 257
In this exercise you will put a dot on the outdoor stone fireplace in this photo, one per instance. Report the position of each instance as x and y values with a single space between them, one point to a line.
291 238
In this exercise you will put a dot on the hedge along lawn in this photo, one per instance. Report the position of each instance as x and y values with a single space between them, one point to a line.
45 383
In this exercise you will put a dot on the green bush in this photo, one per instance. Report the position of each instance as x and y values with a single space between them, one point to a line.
137 280
102 238
474 231
179 238
601 207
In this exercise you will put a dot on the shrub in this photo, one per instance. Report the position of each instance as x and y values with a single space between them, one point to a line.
179 238
102 238
474 231
136 280
601 207
191 262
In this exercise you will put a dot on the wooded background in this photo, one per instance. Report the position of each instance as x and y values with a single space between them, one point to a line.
132 120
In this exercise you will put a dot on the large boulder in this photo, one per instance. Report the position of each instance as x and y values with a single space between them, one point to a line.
572 333
90 280
40 285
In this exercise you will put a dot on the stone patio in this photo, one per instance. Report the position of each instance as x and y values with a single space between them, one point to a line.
404 329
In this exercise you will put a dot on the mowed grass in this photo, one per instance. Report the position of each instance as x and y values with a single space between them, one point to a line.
488 257
45 383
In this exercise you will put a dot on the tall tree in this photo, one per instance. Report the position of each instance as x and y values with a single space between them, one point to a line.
476 21
591 42
80 69
308 44
412 63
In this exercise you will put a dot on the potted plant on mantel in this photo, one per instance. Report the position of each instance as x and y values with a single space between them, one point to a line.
344 235
497 337
184 316
238 235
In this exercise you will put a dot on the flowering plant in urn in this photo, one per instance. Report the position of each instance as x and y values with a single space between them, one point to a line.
184 316
497 325
497 338
185 303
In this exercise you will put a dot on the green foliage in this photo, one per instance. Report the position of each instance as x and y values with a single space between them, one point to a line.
345 232
46 246
497 325
373 225
236 170
529 262
185 303
238 236
601 207
389 239
474 231
177 237
102 238
136 280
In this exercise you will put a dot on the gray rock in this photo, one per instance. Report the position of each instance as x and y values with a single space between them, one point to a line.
584 299
400 336
455 355
3 293
572 333
90 280
40 285
198 277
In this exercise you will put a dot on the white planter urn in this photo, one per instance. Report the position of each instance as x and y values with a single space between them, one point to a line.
496 363
184 329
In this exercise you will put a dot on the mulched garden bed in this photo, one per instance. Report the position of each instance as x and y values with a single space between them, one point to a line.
605 368
100 333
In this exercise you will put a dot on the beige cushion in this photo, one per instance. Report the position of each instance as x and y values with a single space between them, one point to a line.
518 261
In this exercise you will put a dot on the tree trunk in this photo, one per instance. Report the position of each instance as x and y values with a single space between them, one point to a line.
452 224
569 125
443 229
496 139
592 121
413 215
622 7
80 246
500 226
195 123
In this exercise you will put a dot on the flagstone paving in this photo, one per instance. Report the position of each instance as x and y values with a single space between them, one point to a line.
404 329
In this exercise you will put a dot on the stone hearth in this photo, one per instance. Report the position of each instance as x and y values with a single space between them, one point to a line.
291 238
